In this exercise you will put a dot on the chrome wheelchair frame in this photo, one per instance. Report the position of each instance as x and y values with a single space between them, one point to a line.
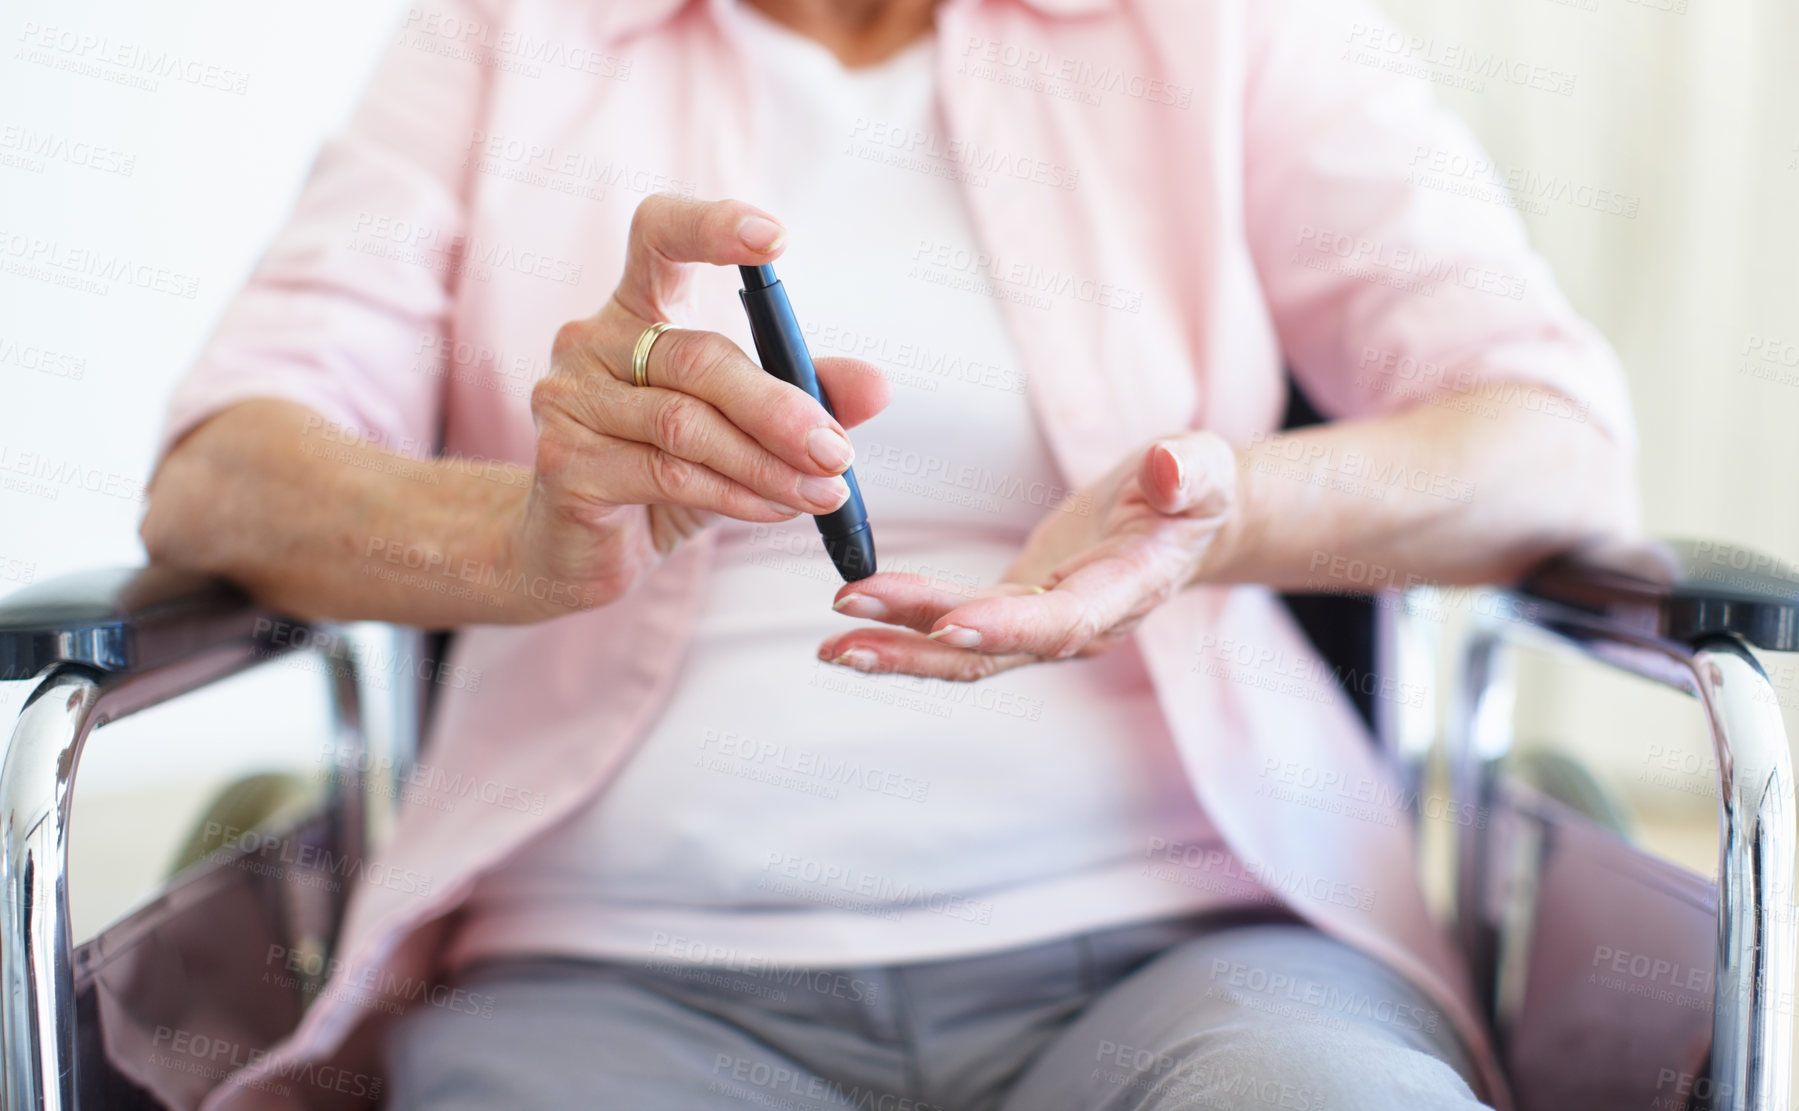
100 646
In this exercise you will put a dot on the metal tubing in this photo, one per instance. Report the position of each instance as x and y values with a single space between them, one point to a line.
1752 1031
1479 736
1751 1022
37 782
36 951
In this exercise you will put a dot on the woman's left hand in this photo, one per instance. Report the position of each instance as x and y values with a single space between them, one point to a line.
1103 559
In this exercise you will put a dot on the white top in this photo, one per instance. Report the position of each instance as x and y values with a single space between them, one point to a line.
780 801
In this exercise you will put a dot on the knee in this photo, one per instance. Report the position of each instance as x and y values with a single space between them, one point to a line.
1270 1066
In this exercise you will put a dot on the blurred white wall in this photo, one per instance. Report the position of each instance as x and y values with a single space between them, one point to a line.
1689 110
190 177
1664 188
1665 192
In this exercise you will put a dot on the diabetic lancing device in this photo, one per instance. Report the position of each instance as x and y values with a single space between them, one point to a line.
782 350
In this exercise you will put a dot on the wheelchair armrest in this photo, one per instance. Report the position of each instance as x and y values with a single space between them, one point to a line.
122 621
1686 614
1685 591
101 645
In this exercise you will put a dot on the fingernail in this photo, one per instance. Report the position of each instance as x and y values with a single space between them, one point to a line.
827 492
860 605
1180 469
859 658
957 637
829 449
786 511
759 233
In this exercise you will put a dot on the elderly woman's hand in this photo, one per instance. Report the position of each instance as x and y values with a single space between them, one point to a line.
624 472
1104 559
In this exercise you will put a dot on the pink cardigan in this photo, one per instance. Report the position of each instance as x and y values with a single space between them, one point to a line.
1179 197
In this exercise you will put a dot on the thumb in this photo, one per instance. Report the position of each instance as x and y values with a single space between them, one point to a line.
669 232
1193 475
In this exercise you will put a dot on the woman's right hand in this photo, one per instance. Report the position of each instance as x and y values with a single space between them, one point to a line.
624 473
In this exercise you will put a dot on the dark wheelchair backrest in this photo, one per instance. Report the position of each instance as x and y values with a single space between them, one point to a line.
1340 626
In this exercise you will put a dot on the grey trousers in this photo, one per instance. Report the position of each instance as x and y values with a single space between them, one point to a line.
1186 1014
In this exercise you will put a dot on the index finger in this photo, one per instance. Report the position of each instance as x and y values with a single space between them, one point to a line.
782 418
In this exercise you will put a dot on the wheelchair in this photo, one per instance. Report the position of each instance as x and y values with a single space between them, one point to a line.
1570 930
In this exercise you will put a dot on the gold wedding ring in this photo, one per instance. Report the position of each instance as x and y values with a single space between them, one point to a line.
640 356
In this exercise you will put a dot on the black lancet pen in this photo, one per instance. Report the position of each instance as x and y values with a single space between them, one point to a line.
782 349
